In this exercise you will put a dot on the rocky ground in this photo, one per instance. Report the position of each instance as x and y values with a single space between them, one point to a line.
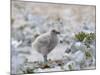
29 20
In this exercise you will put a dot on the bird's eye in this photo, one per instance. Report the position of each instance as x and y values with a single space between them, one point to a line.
54 31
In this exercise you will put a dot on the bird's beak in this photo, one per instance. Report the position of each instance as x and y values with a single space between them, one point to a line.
57 32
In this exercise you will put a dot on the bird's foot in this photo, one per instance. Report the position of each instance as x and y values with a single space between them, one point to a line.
45 66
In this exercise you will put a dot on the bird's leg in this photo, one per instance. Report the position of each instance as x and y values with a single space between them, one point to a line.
45 58
45 65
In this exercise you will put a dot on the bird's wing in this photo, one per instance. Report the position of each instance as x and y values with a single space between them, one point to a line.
44 40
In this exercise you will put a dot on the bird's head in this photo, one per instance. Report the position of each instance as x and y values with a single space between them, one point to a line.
53 31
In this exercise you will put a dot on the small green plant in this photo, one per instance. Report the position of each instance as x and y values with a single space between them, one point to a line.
80 36
70 67
88 55
88 37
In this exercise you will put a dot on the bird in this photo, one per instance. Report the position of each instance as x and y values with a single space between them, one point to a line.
46 42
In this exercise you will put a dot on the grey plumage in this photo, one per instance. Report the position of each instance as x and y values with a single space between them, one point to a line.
46 42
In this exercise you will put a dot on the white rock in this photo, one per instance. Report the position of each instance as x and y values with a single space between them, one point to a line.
17 63
67 57
15 43
94 61
78 56
70 65
38 70
92 49
78 46
75 46
57 68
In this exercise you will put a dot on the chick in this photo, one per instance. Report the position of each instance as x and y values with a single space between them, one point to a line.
46 42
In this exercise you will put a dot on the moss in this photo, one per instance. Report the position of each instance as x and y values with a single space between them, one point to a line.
70 67
88 37
88 55
80 36
87 45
